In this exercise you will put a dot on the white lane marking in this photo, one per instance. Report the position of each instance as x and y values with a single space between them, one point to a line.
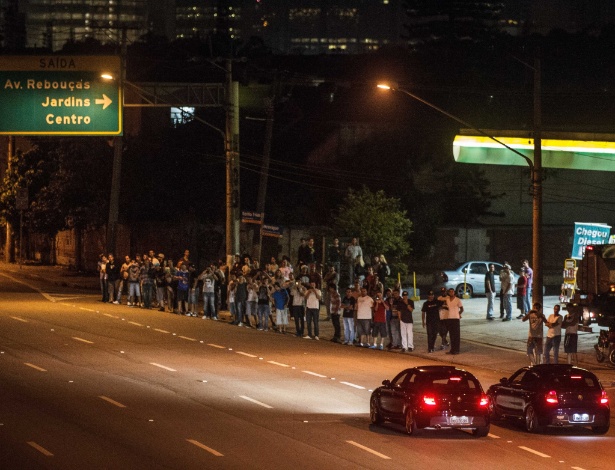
113 402
216 346
535 452
313 373
204 447
264 405
20 319
110 316
353 385
367 449
163 367
245 354
493 436
161 331
187 337
35 367
86 309
41 449
82 340
278 364
135 323
66 305
577 468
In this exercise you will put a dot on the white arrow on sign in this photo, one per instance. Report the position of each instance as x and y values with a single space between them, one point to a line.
105 101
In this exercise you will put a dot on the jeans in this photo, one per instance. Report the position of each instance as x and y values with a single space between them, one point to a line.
209 305
552 343
134 291
240 308
298 311
160 290
508 306
528 298
148 293
395 332
337 330
349 330
312 316
112 289
263 316
454 330
490 301
433 327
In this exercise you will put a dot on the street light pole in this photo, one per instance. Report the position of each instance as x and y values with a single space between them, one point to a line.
535 170
231 150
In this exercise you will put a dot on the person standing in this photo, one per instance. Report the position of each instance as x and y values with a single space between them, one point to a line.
263 304
394 323
365 305
490 290
506 281
405 306
554 335
521 291
380 326
571 324
348 304
297 293
113 278
334 255
530 279
280 301
535 334
431 319
335 302
455 309
353 255
443 314
312 310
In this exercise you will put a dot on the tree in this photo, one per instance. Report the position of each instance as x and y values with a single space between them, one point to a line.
377 220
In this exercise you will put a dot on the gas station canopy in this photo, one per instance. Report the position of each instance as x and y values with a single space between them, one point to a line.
572 151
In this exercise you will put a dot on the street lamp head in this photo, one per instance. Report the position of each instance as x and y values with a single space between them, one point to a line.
107 76
387 86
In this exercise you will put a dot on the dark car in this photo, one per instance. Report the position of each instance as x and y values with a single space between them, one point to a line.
435 397
551 395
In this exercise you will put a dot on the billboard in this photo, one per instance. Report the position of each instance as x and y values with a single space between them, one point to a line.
588 234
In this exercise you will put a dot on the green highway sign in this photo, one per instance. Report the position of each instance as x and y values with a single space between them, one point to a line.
60 95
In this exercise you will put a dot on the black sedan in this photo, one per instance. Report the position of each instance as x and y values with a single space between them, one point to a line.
551 395
434 397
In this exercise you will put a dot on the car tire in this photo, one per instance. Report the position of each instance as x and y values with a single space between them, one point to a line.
459 290
600 429
374 415
531 420
410 423
480 432
612 356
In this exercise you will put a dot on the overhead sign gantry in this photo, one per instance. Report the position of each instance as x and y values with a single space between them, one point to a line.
60 95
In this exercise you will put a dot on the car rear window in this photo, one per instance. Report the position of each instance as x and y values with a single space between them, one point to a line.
573 380
450 383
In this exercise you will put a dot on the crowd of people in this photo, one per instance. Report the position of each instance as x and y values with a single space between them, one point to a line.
365 313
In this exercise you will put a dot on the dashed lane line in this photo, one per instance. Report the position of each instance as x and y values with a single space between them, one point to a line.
314 374
161 331
245 354
110 316
353 385
76 338
35 367
163 367
20 319
135 323
86 309
113 402
40 448
493 436
367 449
278 364
204 447
216 346
260 403
187 338
535 452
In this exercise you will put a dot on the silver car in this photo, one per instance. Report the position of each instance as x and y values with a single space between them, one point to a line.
474 272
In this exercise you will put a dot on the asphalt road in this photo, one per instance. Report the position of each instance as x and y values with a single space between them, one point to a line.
91 385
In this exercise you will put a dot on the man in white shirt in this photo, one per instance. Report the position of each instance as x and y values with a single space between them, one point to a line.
455 309
364 307
554 335
312 310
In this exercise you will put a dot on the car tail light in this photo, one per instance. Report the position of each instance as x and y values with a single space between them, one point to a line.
604 398
429 400
552 397
484 400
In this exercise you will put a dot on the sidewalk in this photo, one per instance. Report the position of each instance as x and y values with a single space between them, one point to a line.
495 345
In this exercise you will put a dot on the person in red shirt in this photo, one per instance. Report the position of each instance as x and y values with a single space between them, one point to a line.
521 293
380 322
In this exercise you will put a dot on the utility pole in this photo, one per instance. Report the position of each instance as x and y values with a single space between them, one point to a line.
9 247
118 149
537 186
262 185
231 148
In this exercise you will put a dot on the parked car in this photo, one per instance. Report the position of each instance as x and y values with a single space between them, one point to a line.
474 272
433 397
551 395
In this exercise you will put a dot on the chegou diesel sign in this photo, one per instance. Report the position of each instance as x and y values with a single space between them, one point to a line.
588 234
